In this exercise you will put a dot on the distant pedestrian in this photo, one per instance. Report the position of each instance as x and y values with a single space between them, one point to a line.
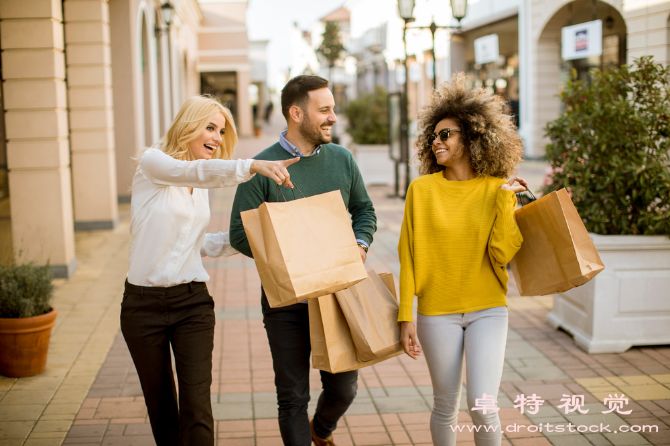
166 302
457 236
268 111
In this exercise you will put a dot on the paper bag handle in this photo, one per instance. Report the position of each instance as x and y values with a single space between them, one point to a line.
292 190
518 196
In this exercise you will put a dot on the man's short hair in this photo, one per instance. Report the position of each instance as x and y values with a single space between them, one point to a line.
296 91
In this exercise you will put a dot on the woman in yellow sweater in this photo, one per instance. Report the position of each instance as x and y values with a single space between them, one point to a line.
457 236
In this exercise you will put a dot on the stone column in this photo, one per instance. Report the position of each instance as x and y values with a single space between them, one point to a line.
91 113
33 69
245 125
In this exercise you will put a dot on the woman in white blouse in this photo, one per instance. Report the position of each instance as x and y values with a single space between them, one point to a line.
166 302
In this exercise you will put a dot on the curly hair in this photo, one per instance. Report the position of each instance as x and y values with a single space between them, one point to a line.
489 136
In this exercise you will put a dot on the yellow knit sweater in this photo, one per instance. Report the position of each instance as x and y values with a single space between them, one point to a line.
455 242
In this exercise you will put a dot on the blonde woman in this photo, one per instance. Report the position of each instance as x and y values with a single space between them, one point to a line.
458 234
166 303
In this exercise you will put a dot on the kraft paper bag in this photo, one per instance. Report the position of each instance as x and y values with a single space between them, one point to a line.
333 347
371 312
303 248
387 278
557 253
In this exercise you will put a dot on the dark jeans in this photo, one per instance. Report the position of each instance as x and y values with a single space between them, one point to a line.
288 333
154 318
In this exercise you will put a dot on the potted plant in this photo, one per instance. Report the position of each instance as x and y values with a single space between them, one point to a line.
610 149
26 318
369 129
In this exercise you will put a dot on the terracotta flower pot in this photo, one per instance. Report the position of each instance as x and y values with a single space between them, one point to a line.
24 344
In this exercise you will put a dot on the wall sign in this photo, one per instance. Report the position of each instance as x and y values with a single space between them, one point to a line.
582 41
400 76
486 49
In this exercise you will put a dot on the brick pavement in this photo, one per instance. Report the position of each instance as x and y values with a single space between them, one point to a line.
90 393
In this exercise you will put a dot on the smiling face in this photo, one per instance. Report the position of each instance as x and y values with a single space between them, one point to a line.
448 153
204 146
319 117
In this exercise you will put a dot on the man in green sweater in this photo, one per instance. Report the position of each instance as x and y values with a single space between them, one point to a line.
308 106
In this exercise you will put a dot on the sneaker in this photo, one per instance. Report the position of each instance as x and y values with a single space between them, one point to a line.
320 441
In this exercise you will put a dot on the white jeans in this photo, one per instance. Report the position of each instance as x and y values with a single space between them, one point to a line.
482 336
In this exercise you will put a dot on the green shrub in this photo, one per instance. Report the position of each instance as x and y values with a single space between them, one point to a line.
610 149
368 118
25 290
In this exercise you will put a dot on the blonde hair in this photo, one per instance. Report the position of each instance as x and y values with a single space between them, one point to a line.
190 122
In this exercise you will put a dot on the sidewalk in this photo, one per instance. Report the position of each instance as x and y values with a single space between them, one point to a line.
90 394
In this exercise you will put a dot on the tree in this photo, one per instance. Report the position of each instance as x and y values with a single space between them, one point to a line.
331 47
368 118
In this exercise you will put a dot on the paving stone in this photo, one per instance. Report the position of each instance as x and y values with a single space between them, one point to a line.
20 412
136 440
626 439
401 404
569 440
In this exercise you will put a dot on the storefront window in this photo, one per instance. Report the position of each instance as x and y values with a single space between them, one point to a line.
501 76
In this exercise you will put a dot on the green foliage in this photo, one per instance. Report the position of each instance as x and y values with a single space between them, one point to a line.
331 47
25 290
610 149
368 118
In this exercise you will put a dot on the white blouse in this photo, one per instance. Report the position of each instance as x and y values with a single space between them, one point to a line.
168 224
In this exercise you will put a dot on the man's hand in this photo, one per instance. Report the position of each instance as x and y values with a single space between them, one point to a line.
364 254
521 187
409 341
275 170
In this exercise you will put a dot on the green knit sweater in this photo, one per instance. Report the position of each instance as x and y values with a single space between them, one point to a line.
331 169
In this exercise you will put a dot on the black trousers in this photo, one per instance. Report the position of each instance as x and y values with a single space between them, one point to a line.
288 333
182 316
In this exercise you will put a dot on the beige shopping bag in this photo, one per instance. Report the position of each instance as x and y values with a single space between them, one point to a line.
371 312
387 278
332 345
557 253
303 248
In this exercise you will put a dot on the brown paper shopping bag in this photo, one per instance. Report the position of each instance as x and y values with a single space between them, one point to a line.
371 312
333 348
557 253
303 248
387 278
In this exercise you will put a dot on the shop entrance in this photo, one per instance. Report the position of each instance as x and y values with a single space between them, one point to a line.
613 43
552 71
222 85
500 76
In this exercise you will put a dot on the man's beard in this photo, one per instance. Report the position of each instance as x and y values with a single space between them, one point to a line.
312 133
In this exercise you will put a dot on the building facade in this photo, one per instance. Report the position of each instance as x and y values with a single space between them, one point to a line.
528 69
86 85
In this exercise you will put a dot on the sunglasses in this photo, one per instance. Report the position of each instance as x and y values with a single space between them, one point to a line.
442 134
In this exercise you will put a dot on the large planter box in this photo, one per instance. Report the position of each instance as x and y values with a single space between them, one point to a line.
627 304
377 168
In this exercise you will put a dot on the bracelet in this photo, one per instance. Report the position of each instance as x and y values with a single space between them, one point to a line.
365 248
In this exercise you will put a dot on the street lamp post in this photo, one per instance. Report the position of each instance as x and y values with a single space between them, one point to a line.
167 11
458 8
406 10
